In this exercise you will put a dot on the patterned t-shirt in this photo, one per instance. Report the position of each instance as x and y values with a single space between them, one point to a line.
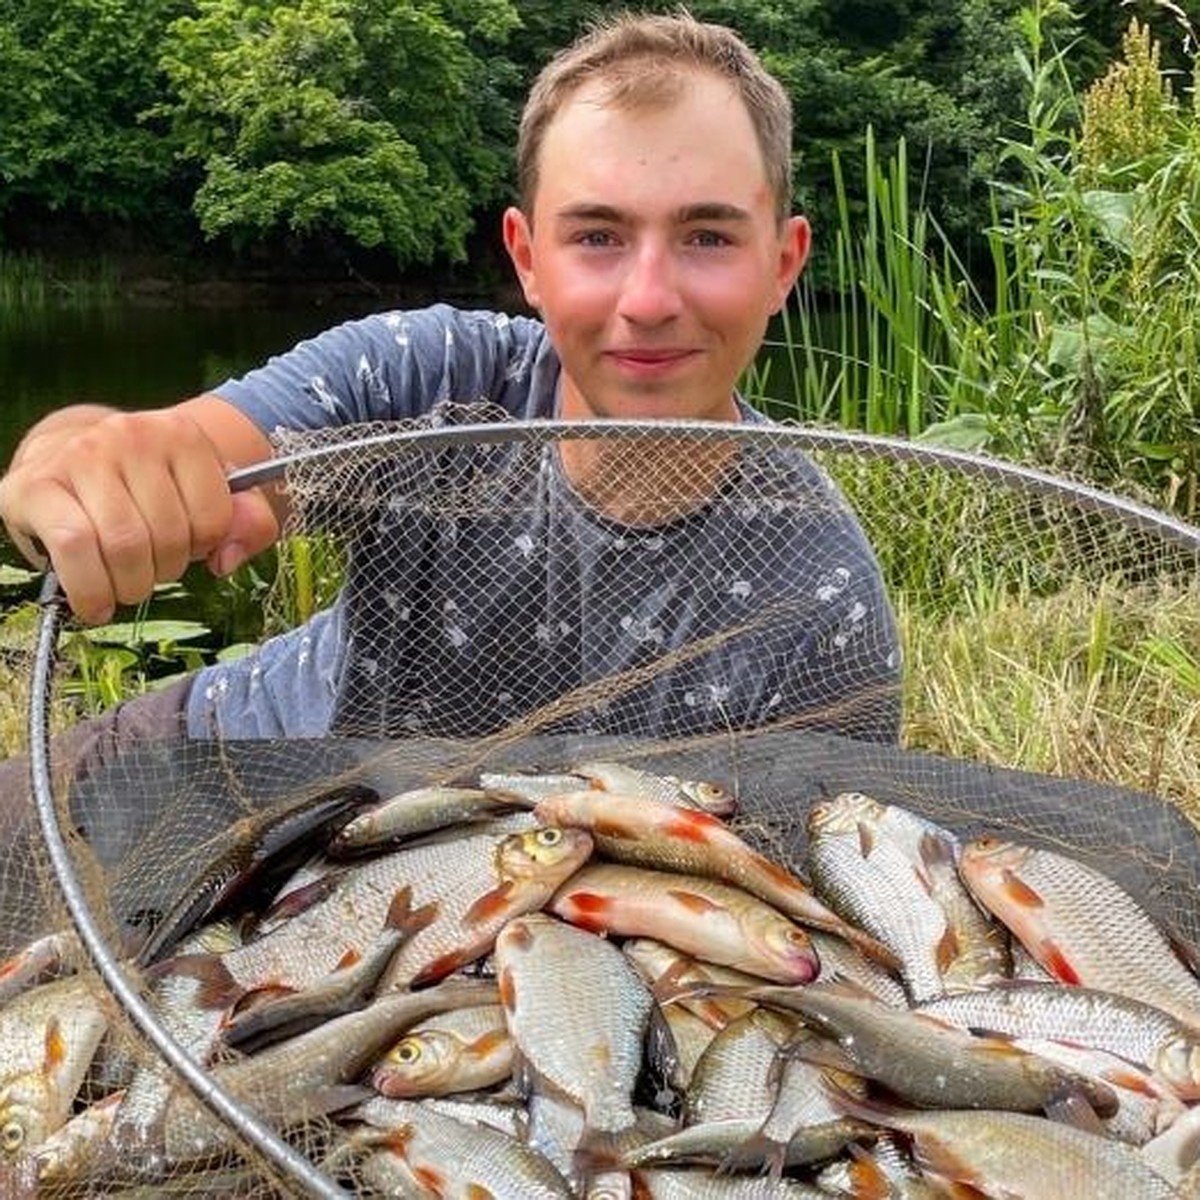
761 606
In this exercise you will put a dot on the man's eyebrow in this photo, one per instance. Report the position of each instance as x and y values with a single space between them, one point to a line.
708 210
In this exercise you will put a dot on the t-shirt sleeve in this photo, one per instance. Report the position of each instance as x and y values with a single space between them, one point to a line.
285 688
397 366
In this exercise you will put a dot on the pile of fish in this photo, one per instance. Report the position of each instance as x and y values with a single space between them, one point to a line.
589 984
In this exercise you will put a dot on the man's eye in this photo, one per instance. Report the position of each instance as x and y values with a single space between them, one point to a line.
709 237
595 237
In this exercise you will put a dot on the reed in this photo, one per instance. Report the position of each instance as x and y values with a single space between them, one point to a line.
34 281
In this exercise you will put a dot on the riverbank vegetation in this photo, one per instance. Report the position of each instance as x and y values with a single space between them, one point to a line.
1007 205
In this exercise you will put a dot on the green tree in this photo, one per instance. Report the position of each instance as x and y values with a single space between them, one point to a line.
77 78
373 120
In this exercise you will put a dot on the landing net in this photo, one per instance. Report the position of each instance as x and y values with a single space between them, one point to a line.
791 613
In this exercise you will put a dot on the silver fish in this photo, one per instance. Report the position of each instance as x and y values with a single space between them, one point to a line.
1083 1016
869 877
578 1012
1079 925
929 1062
412 1148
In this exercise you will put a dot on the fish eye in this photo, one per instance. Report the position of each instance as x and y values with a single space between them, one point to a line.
797 937
549 836
12 1136
407 1051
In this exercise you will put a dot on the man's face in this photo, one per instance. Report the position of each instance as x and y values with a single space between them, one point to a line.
654 255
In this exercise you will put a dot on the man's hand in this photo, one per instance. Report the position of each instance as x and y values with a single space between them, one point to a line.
121 501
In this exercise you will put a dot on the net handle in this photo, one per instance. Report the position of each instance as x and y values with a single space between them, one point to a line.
294 1166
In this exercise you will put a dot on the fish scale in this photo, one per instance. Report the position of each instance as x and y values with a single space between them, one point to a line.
578 1012
1080 925
453 872
869 880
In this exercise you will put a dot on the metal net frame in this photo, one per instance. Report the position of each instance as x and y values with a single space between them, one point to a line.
593 500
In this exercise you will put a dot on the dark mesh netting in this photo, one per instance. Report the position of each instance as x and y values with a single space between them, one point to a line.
789 614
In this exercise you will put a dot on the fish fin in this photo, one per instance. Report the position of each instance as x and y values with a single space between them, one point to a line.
866 839
490 905
301 899
1018 891
54 1046
440 967
218 988
694 903
759 1154
1050 955
947 950
256 997
603 1150
420 918
1071 1107
1131 1080
486 1043
508 990
690 825
867 1178
586 910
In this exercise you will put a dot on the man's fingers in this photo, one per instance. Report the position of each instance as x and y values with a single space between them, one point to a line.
252 528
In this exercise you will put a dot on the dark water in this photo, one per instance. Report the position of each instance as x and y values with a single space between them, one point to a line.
136 356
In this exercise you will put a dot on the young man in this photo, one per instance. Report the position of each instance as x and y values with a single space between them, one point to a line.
654 238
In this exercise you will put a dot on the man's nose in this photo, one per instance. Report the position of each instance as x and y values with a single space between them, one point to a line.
650 288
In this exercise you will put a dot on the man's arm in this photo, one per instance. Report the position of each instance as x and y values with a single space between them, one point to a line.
120 501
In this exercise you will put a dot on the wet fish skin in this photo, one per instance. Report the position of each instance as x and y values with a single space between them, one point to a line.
1082 927
77 1146
931 1063
466 1050
1015 1154
697 1183
526 869
412 1148
1146 1105
48 1037
704 795
288 1083
40 960
578 1013
1084 1016
701 917
252 856
736 1076
477 879
671 974
345 989
870 879
645 832
420 810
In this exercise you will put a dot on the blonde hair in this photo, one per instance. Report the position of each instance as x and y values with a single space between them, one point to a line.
642 61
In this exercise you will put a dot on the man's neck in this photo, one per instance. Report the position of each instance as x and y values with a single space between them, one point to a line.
646 480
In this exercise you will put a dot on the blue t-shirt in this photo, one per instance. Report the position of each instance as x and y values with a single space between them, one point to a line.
461 618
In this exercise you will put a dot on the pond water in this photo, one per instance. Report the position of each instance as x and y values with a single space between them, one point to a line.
137 356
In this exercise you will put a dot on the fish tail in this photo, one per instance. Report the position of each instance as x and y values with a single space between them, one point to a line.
601 1150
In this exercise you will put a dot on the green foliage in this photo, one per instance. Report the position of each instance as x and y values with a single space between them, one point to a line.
360 118
1082 350
77 77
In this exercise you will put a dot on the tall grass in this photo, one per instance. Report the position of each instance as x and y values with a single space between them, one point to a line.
34 281
1081 349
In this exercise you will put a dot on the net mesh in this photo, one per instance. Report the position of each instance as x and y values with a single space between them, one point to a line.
762 606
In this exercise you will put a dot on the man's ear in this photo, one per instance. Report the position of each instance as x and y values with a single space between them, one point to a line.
794 245
518 241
